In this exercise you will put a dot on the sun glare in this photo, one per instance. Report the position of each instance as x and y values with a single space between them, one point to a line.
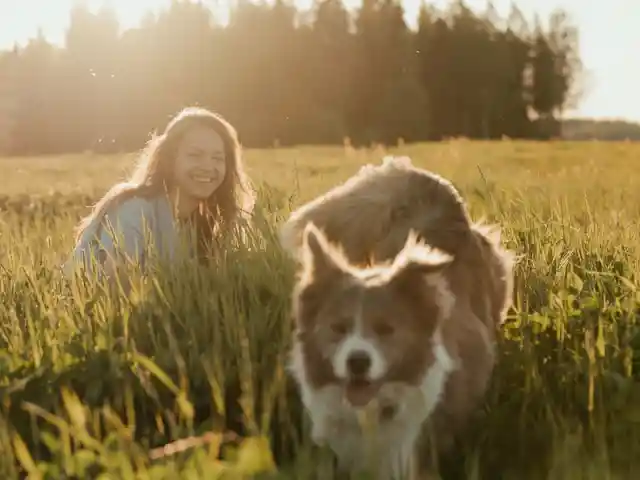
130 12
606 64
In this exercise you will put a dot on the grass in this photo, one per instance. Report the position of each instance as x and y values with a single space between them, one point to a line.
93 384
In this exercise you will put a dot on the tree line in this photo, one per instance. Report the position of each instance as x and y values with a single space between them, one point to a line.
290 77
603 130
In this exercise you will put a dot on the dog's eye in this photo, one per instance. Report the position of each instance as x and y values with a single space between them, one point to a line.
383 329
339 328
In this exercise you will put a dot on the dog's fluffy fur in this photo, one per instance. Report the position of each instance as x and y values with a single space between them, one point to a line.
370 215
394 270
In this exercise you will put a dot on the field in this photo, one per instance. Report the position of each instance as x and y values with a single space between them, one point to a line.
92 382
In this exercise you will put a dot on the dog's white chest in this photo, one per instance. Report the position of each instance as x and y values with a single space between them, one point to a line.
385 445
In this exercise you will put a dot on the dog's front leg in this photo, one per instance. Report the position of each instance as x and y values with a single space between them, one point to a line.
424 456
421 469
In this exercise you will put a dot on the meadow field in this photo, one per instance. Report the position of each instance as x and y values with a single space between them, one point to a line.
94 383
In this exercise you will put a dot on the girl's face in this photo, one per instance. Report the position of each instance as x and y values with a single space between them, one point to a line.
199 167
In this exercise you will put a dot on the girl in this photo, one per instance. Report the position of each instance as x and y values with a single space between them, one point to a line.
191 174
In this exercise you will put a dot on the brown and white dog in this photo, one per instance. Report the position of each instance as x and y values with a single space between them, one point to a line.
408 335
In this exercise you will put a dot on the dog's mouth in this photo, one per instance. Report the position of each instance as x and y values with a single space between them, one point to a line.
359 392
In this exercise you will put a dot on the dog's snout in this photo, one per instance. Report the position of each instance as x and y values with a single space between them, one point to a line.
358 363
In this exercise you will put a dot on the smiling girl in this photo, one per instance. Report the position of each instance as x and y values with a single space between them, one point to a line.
191 174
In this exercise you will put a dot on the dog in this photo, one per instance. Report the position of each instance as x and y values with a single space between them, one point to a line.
370 217
398 320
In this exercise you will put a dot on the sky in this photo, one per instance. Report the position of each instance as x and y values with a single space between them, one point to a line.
612 76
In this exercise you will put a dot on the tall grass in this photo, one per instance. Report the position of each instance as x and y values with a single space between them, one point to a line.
185 377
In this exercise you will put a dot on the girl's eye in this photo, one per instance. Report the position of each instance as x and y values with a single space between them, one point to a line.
383 329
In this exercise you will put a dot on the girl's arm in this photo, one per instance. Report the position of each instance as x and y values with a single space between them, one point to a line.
122 236
119 238
123 239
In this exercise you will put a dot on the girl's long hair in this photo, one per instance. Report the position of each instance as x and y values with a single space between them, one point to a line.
152 176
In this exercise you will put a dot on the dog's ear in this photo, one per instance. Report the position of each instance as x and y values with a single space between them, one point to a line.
319 258
417 277
416 260
424 262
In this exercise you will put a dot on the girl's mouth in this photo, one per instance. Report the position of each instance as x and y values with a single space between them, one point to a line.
202 178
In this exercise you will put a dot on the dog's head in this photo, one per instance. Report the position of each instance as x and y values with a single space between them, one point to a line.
362 327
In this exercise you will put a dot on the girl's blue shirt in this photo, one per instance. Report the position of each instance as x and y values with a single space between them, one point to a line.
131 227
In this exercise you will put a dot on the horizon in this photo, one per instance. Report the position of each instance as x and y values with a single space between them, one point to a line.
609 84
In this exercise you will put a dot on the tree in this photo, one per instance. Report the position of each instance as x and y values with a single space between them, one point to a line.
278 76
32 125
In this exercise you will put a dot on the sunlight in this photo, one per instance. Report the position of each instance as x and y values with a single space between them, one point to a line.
131 12
609 80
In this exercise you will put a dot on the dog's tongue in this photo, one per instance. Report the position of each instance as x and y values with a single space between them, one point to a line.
360 393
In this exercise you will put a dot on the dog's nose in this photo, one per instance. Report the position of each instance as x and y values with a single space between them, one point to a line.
358 363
